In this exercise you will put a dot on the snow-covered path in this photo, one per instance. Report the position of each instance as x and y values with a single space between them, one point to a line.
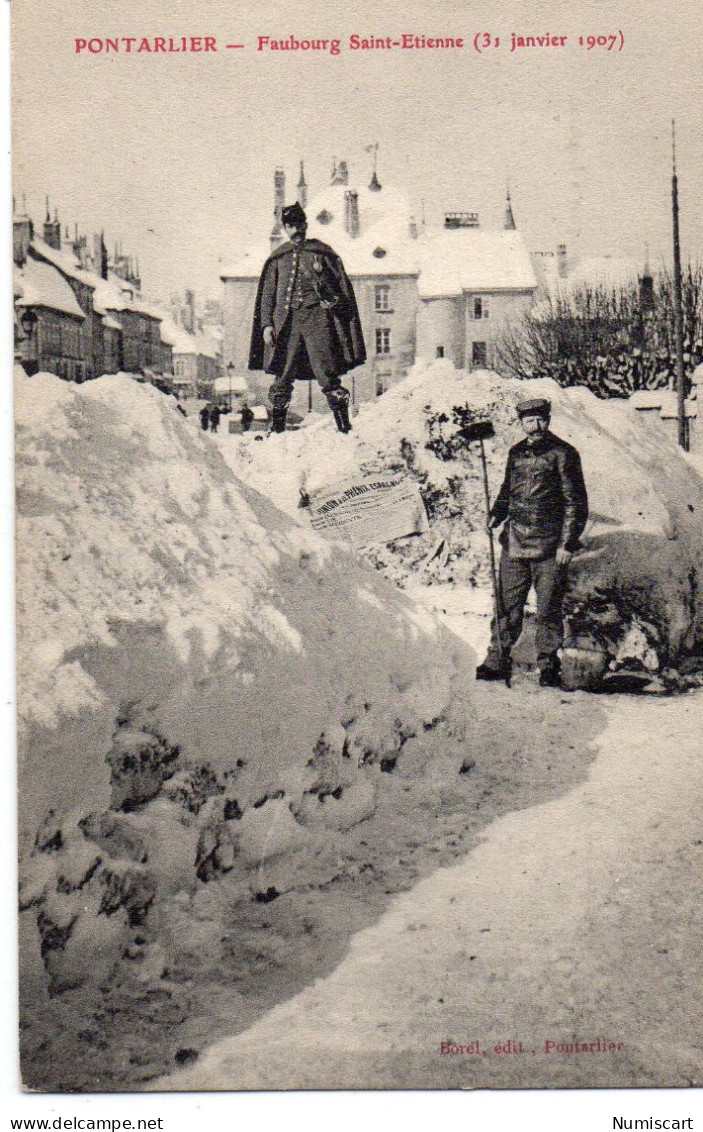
571 921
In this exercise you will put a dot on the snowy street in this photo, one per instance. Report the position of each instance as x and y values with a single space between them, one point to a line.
571 922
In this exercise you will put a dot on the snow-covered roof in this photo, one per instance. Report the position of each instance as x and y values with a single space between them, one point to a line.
648 398
106 297
111 323
170 331
384 223
446 261
17 282
65 260
183 342
238 384
111 294
604 272
469 259
44 286
114 294
665 400
670 408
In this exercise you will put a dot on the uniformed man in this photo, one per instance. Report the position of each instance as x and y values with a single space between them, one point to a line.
306 323
544 507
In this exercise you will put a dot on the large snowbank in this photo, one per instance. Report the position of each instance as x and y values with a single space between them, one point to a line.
642 555
205 687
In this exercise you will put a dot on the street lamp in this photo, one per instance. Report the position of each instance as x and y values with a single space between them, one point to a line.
230 371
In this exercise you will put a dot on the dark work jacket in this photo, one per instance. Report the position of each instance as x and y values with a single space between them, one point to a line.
273 308
543 498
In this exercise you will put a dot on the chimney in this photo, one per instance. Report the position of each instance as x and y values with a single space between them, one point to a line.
279 193
351 213
56 226
49 228
340 173
562 263
279 196
413 228
189 312
80 249
646 289
302 197
22 235
461 220
100 255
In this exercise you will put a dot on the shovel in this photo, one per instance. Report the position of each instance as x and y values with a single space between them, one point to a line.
480 431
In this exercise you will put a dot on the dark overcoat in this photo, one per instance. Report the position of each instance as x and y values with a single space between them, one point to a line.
543 498
273 309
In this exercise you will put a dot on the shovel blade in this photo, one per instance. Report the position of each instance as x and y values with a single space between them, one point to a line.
479 430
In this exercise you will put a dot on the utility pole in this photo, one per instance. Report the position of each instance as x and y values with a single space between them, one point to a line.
678 309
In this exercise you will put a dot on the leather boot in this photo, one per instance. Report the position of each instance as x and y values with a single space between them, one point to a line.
550 672
488 672
338 401
341 418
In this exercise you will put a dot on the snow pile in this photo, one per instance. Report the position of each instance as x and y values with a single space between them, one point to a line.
634 582
118 521
206 689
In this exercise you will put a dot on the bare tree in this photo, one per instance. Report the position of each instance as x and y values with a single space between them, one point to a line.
607 339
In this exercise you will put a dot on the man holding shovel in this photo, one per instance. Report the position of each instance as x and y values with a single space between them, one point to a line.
544 507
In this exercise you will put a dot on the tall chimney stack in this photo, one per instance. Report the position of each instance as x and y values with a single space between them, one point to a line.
351 213
302 197
279 199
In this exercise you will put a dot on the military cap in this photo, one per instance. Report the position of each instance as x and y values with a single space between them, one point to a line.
536 407
293 215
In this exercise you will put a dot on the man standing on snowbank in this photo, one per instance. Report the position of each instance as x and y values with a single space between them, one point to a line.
544 506
306 323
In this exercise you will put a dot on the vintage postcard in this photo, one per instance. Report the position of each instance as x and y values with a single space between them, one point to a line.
359 465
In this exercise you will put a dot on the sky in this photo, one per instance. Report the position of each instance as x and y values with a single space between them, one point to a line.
174 154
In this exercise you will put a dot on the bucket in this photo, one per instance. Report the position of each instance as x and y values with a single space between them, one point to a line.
583 663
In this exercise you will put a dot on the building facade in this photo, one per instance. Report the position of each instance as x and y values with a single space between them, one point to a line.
76 322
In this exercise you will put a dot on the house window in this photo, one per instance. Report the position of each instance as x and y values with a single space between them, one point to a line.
479 355
52 338
481 307
440 351
383 340
382 295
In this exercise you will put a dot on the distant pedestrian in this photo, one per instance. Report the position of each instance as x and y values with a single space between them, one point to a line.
247 417
214 418
205 418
